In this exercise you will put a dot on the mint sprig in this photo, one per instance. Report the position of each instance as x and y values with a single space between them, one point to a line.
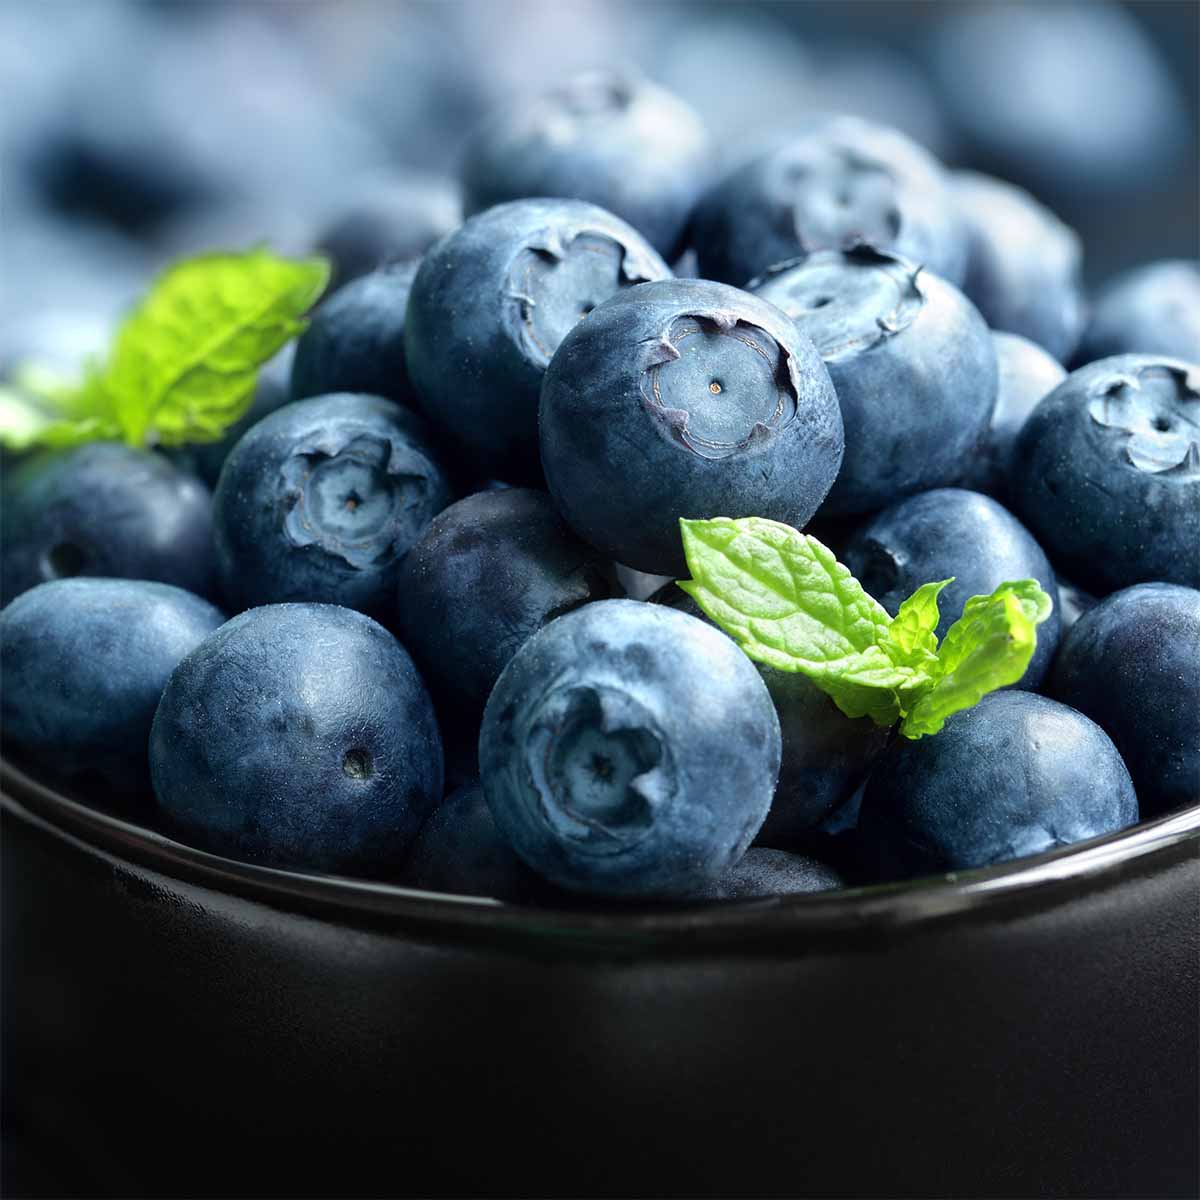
184 362
787 601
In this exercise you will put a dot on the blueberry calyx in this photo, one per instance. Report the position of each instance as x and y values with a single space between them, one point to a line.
348 500
1158 408
600 765
720 384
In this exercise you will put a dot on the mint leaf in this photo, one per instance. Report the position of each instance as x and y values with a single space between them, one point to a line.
185 361
787 601
987 648
911 636
43 407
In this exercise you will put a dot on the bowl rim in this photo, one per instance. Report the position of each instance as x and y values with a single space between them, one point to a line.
868 909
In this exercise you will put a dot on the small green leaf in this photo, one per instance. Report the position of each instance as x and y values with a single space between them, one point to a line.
185 361
910 638
987 648
43 407
787 601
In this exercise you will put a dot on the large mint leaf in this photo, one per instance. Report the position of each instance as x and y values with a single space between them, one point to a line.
787 601
185 361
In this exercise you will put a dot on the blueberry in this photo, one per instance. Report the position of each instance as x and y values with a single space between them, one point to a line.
487 573
685 398
489 306
763 872
321 501
1026 374
629 750
84 662
1017 774
389 221
1072 99
953 532
1023 263
1154 309
1132 664
105 509
355 340
298 735
611 138
206 459
912 363
460 850
840 181
1107 473
825 754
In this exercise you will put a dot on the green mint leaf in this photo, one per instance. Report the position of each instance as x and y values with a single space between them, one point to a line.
987 648
43 407
910 638
185 361
787 601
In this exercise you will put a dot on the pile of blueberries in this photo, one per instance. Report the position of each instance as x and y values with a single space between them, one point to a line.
414 618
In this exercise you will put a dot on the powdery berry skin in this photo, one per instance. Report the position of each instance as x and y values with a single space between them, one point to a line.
1153 309
298 735
1016 775
1026 374
1132 664
1023 264
321 501
911 360
108 510
611 138
629 750
838 182
84 662
490 305
355 340
488 573
1107 473
685 398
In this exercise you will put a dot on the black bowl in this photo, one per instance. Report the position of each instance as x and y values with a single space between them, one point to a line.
179 1024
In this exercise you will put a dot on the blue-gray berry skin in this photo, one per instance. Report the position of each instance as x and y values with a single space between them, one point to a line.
912 363
321 501
390 221
298 735
953 532
825 754
487 573
355 340
1107 473
1015 775
104 509
1023 264
488 308
1153 309
460 850
763 872
611 138
629 750
84 662
839 181
1026 374
1073 602
1132 664
685 398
